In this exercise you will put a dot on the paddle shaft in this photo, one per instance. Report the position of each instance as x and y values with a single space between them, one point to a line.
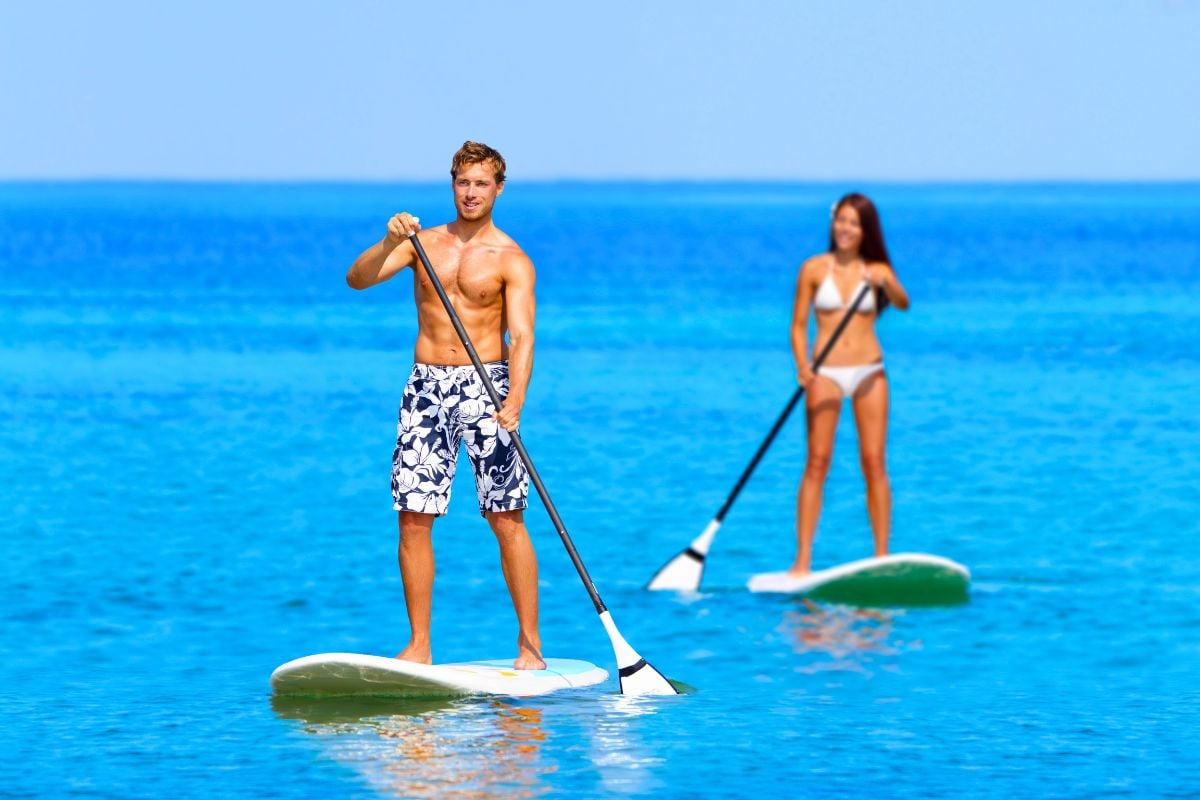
516 438
787 411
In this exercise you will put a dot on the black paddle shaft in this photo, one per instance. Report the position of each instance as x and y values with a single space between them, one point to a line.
787 411
521 451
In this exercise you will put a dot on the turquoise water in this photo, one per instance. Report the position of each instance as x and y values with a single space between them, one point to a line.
197 430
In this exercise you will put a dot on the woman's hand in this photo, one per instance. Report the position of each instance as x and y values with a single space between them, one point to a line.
804 375
877 276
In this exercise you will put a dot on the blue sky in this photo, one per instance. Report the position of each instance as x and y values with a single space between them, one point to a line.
867 90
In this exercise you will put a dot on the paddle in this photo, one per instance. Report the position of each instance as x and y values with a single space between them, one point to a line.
684 571
637 676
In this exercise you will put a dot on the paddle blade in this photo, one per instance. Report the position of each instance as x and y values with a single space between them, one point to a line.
637 675
641 678
683 572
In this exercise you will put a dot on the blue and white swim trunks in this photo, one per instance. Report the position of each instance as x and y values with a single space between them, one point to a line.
443 407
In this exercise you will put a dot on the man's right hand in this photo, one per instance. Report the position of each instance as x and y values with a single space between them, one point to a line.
400 226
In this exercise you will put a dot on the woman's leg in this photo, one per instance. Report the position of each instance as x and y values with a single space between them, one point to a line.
871 413
823 406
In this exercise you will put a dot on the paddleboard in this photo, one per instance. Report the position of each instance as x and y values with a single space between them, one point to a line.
357 674
899 579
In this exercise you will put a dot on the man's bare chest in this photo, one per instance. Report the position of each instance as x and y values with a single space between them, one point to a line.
472 274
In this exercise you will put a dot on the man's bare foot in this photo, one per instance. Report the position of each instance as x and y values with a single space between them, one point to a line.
529 661
529 655
416 654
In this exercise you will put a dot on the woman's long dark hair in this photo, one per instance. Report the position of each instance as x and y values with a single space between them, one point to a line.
873 247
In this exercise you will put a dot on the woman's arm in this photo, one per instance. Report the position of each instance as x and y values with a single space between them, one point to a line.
883 277
803 301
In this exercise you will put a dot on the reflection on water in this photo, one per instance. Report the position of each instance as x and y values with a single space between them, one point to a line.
352 709
431 748
489 748
852 637
619 752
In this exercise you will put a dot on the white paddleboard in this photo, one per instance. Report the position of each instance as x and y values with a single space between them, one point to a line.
897 579
356 674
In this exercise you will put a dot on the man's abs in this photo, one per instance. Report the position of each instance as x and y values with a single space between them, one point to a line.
438 343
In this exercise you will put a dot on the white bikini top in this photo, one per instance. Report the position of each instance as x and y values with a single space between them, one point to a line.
830 299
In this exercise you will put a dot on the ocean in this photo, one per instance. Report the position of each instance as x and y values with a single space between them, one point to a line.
197 424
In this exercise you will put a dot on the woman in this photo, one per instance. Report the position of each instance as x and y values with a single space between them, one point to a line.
828 283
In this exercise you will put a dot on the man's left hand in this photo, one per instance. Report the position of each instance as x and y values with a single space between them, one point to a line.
509 416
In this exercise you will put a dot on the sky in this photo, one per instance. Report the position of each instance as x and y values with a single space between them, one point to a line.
883 90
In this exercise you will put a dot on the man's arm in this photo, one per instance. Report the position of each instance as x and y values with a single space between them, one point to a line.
386 257
520 308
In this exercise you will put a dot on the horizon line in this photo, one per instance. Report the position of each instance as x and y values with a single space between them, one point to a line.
642 180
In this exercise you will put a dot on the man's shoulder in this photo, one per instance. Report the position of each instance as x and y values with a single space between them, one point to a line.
515 260
507 249
436 232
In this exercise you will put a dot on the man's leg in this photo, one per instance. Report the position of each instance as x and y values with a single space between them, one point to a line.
519 563
416 571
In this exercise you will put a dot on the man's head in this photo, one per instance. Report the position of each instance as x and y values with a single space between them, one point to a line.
478 153
477 175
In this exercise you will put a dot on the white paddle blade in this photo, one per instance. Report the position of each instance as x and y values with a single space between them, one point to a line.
636 674
643 679
683 572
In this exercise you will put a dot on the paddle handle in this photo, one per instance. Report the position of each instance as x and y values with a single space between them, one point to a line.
791 405
516 438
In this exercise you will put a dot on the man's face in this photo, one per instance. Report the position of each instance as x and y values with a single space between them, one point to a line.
475 191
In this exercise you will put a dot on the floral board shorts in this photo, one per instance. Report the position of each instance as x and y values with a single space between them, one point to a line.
441 408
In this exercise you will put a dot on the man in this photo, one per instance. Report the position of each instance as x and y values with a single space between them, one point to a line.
490 282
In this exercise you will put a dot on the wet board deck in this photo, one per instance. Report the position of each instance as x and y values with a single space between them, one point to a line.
357 674
901 579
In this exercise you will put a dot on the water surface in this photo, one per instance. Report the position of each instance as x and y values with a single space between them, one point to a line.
197 423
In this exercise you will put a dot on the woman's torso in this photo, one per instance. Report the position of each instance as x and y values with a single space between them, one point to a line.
833 293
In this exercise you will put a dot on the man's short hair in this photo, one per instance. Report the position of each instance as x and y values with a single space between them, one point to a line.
478 153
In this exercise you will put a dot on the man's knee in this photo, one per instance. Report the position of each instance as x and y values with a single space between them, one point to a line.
413 524
506 524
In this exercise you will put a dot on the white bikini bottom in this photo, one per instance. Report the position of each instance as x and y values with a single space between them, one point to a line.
849 379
